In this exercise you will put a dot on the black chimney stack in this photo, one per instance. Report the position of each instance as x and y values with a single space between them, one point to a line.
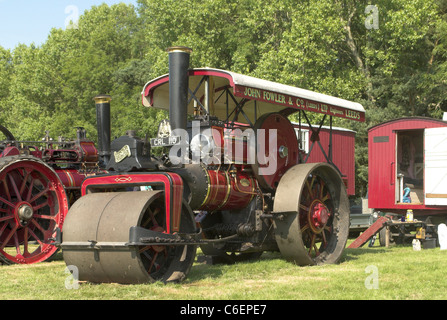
103 126
178 86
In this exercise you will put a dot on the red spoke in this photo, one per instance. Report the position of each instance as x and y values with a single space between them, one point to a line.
143 249
7 202
326 197
25 244
152 219
16 243
3 228
6 218
40 194
30 190
36 208
5 185
312 242
152 262
310 186
44 216
38 226
11 233
14 186
25 179
34 236
324 241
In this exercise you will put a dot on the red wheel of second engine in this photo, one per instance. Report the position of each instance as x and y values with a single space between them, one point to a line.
277 149
33 204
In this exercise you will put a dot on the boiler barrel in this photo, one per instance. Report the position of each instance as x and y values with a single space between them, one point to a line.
222 189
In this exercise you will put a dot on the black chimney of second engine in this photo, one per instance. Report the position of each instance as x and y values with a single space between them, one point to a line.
102 103
178 86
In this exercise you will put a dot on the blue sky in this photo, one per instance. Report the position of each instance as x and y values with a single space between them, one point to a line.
30 21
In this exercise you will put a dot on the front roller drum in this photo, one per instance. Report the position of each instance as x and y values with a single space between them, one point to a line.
104 220
312 208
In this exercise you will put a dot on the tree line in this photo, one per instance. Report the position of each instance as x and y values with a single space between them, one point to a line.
390 56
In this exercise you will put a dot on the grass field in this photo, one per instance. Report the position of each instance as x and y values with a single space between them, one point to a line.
393 273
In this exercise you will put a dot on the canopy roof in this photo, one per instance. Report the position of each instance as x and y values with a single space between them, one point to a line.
241 98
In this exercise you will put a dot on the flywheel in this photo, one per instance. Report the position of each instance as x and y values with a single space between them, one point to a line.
104 220
312 205
9 136
276 150
33 205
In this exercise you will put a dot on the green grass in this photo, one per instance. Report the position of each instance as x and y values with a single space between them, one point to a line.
401 272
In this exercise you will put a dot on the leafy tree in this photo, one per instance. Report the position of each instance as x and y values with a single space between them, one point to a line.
5 72
329 49
226 34
393 63
5 78
26 109
433 83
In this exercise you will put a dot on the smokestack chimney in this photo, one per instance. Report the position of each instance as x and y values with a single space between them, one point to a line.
178 86
102 103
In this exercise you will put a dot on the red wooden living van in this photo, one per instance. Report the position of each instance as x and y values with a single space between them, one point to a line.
343 156
408 152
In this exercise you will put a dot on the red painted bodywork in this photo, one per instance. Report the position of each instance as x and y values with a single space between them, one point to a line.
343 152
382 144
83 153
287 102
171 183
229 191
71 178
10 151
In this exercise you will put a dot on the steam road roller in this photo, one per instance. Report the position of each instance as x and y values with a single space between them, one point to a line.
229 177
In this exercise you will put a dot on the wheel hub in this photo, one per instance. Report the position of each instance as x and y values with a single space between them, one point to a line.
24 213
158 248
319 215
283 151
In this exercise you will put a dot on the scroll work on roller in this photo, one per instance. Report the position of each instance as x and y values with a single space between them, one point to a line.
232 181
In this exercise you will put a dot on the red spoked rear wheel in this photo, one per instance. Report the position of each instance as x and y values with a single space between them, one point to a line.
312 225
316 213
33 204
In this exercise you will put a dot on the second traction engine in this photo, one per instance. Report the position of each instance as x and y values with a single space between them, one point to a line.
230 181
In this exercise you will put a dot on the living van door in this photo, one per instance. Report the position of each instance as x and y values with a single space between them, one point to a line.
435 141
409 166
